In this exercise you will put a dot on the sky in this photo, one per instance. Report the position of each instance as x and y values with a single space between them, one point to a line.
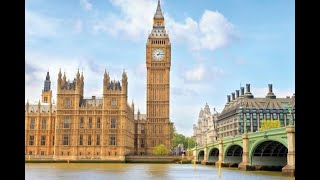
216 47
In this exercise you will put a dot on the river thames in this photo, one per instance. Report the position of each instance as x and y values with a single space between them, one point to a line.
74 171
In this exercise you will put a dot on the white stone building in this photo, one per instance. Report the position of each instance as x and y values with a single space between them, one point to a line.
205 129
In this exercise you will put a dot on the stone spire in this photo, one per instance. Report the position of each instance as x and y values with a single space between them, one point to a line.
158 14
47 83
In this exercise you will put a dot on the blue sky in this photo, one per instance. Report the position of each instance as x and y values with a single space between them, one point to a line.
216 46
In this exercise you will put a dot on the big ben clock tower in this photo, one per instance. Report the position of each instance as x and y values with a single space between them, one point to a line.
158 62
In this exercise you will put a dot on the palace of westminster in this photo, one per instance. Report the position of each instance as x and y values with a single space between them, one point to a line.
104 128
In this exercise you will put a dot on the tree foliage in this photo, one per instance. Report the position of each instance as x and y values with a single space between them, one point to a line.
178 139
173 131
190 142
269 124
161 150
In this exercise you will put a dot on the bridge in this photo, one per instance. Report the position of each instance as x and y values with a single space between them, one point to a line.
272 149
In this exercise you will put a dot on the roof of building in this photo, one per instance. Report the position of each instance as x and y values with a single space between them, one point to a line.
93 102
142 116
158 13
44 108
258 103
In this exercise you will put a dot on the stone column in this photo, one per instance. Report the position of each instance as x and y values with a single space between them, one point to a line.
195 158
220 161
245 165
289 169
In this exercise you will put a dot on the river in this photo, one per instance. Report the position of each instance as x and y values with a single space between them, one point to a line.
106 171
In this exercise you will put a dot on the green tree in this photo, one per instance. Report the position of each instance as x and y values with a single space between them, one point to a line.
173 131
190 142
178 139
269 124
161 150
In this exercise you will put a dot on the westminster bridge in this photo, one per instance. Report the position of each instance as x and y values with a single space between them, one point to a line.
269 149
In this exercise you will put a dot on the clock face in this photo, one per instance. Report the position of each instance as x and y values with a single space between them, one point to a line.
158 54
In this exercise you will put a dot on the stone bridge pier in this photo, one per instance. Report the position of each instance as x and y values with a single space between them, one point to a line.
245 164
289 169
220 161
205 158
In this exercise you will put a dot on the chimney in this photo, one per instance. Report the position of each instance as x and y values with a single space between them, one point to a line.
233 96
248 88
242 91
270 93
270 88
228 96
93 97
237 93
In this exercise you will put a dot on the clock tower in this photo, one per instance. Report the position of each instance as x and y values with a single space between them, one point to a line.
158 62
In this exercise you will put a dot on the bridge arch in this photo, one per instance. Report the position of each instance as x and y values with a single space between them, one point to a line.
233 154
268 153
200 155
213 155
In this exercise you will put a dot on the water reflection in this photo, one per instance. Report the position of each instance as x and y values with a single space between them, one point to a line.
140 171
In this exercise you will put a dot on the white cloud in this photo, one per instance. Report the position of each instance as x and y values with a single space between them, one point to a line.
133 22
196 74
78 26
37 25
211 32
202 72
86 5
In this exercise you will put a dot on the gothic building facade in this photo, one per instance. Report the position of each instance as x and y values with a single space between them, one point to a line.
104 128
76 127
205 131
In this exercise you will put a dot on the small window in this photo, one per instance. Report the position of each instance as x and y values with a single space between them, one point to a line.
89 139
81 140
68 103
66 122
81 123
65 139
31 140
112 140
98 123
32 123
113 123
90 123
43 140
44 124
114 102
98 140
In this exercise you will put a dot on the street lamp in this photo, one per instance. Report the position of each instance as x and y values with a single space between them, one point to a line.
291 114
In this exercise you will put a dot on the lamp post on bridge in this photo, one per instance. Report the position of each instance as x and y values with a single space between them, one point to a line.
290 109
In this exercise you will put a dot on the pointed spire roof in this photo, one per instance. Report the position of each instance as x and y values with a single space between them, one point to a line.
158 13
78 73
48 76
